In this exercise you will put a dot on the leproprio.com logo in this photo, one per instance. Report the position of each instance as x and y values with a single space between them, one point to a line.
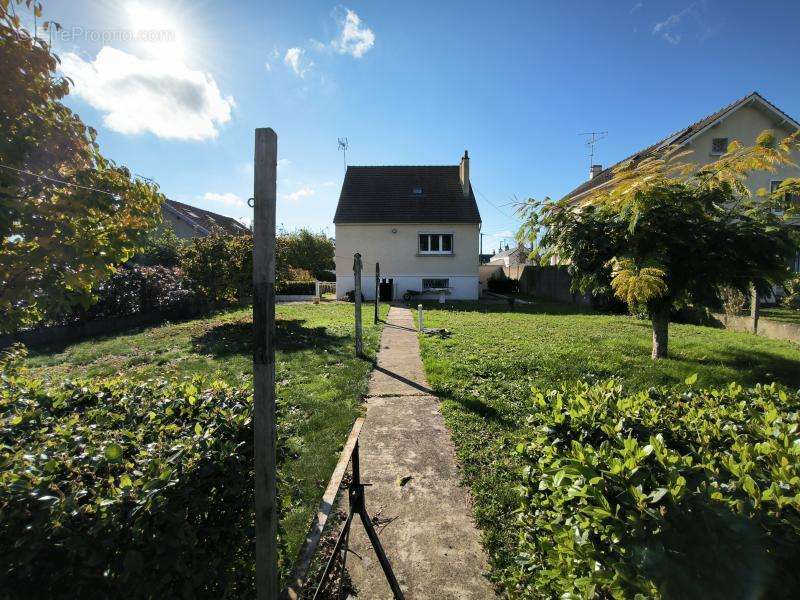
77 33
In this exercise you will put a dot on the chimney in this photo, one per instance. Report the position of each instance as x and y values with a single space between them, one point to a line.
463 173
595 171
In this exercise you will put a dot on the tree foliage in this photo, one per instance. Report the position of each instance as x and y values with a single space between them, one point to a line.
304 249
667 232
67 213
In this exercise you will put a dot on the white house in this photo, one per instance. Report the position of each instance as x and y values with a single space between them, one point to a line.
420 223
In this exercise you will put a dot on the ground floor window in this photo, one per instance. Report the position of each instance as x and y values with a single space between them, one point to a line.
436 243
428 284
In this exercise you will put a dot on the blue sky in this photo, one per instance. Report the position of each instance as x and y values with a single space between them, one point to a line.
408 83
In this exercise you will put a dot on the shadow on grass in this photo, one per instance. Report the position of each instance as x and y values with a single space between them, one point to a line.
230 339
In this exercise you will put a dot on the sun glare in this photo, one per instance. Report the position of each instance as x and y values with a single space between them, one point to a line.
158 32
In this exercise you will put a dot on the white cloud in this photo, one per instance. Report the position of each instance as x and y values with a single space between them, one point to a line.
136 95
295 59
299 194
355 38
228 198
284 162
666 28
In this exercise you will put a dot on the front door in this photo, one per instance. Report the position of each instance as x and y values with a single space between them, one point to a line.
386 290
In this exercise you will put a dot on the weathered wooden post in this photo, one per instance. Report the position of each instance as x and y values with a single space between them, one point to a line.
264 187
755 308
377 289
357 302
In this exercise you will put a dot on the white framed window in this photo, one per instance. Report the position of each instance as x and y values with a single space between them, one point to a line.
429 284
719 146
435 243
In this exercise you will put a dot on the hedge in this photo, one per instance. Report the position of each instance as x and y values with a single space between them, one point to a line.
296 288
120 489
662 493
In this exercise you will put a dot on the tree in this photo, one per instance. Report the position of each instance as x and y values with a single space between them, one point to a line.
310 251
68 215
666 232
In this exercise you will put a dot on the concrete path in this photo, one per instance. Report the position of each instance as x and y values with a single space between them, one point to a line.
422 515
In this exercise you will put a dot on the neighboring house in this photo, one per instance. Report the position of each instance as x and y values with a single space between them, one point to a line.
708 139
512 260
189 221
420 223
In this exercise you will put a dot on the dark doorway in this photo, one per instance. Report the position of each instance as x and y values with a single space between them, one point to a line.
387 290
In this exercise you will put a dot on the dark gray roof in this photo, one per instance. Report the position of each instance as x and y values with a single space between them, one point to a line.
386 195
674 139
206 221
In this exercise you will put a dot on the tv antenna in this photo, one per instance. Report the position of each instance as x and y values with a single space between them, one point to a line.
344 145
592 137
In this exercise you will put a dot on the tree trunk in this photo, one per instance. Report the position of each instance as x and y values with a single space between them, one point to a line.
660 319
755 309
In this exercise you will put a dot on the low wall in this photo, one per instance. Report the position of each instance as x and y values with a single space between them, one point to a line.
550 282
766 327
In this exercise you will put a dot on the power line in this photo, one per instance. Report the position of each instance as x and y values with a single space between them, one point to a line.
497 208
60 181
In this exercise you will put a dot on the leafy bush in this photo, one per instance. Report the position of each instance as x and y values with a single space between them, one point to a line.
733 300
161 247
296 288
219 266
119 489
792 298
660 493
296 274
134 290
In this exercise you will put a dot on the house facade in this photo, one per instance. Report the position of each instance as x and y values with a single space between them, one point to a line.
708 139
420 223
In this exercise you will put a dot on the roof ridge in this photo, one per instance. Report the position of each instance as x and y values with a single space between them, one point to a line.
603 176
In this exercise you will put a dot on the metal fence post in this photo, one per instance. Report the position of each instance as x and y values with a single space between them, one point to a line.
377 289
419 310
357 299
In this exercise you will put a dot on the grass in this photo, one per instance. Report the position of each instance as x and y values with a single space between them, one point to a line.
319 381
485 370
785 315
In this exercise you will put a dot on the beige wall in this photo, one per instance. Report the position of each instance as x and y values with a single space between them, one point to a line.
398 253
744 125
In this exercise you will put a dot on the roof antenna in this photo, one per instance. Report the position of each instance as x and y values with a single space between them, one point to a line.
343 146
592 137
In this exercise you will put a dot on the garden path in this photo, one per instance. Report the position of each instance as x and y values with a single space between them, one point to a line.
421 513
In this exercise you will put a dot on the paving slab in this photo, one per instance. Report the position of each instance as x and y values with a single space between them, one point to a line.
422 514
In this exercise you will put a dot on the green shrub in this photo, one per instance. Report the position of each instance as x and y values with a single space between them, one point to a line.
219 266
118 489
296 288
661 493
792 297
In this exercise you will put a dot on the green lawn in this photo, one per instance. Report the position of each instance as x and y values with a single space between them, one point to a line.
485 370
785 315
319 381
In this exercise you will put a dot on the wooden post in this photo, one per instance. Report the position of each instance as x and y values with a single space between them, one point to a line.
377 289
421 324
264 187
755 308
357 302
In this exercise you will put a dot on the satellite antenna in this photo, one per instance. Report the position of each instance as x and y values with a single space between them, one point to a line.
592 137
343 146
